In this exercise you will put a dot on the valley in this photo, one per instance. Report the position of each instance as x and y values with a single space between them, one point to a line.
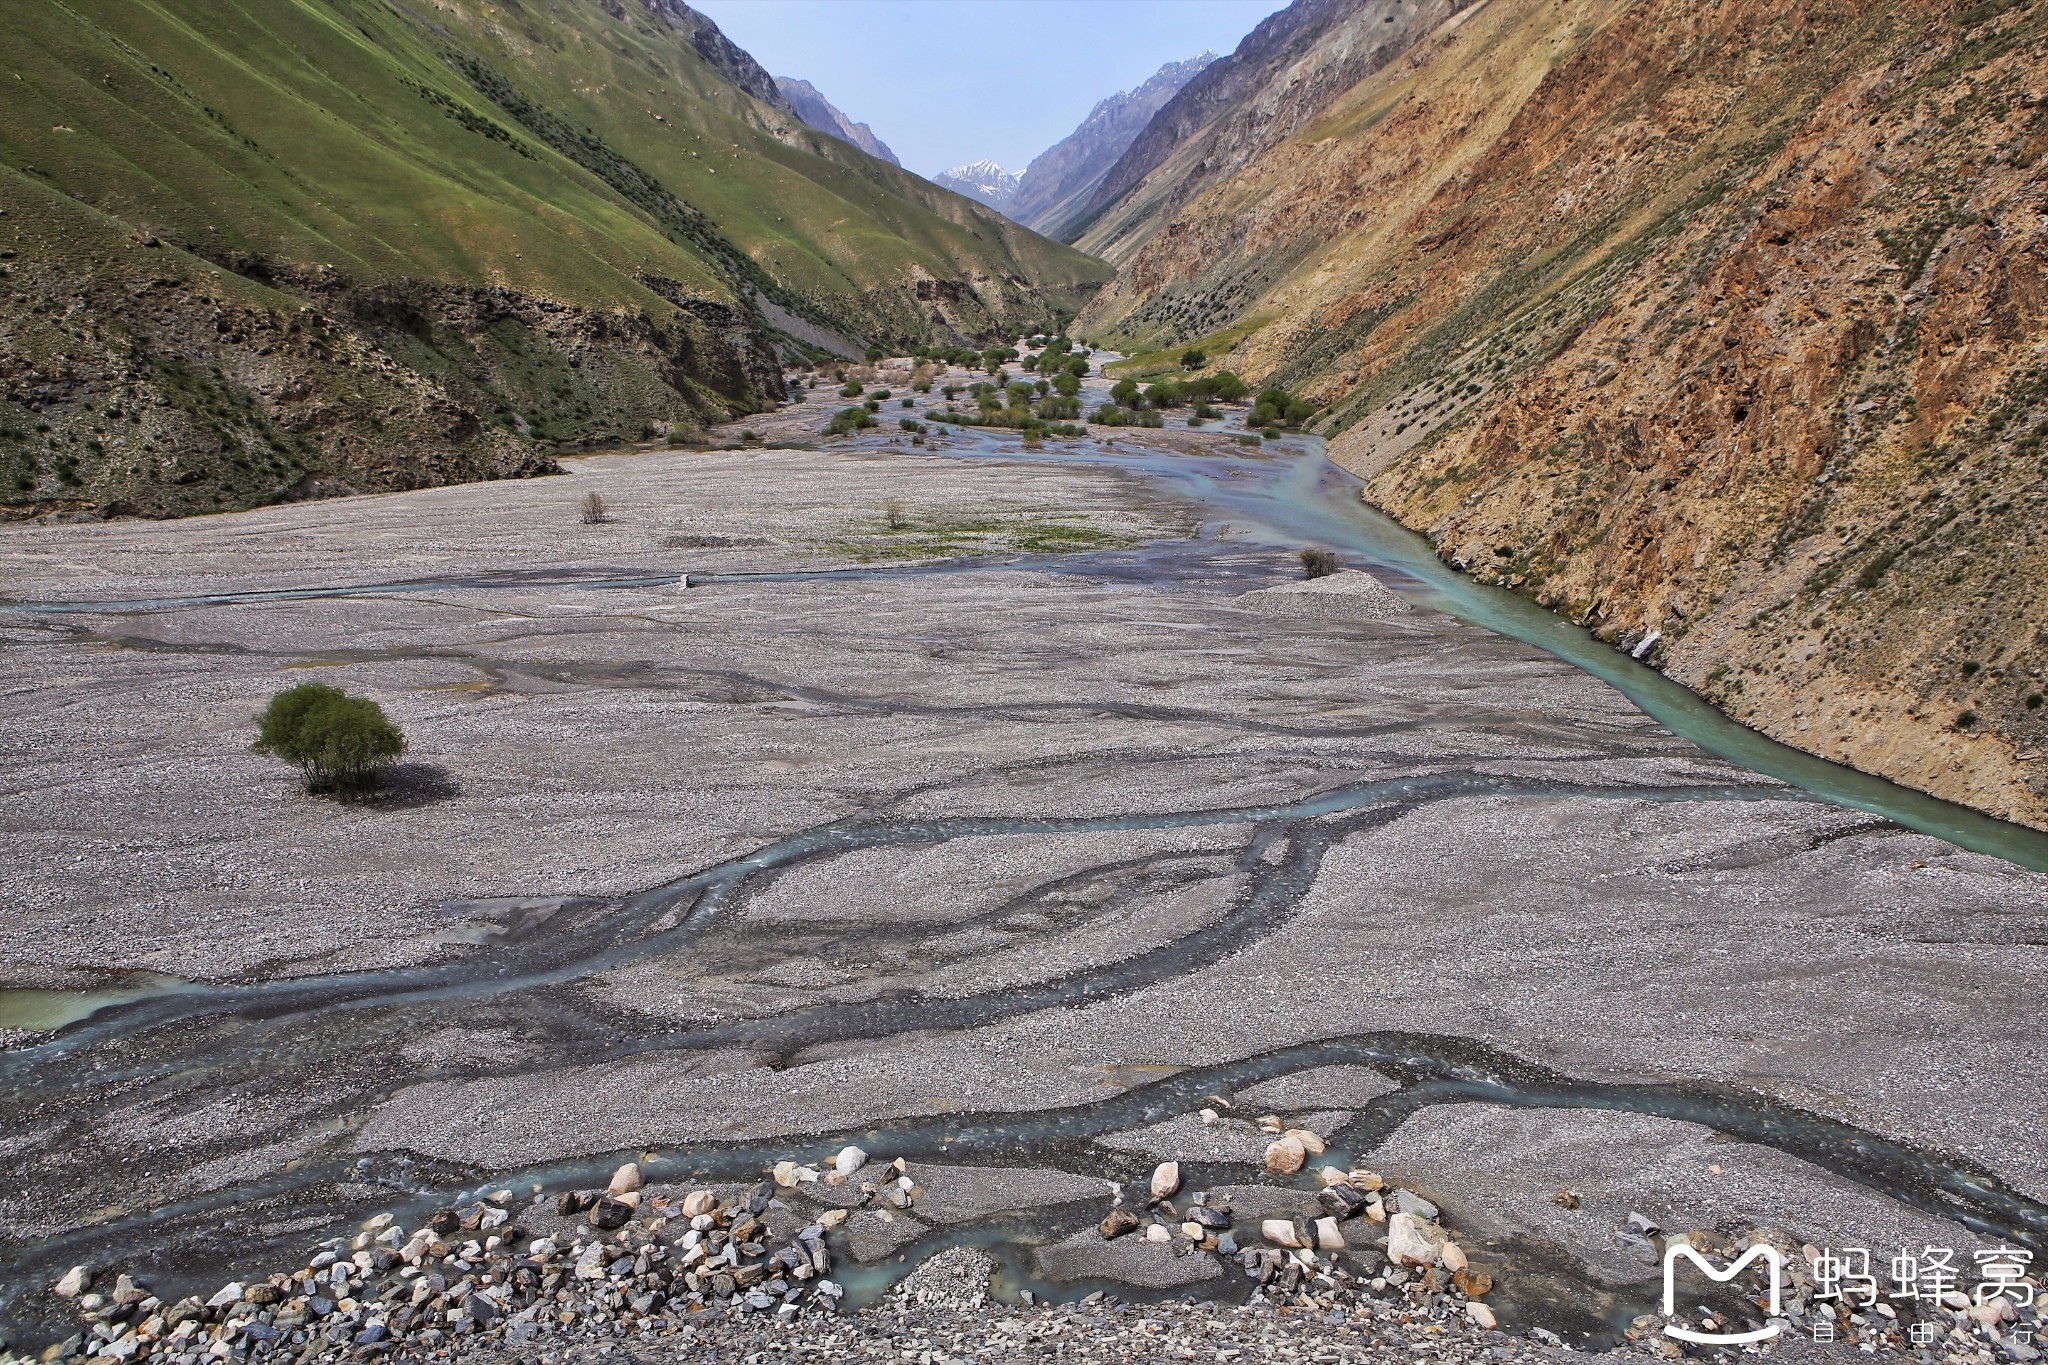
1389 695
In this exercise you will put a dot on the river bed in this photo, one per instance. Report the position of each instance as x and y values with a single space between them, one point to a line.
731 830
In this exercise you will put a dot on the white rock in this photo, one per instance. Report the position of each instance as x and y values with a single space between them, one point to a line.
379 1223
1411 1241
849 1160
75 1282
1165 1179
1280 1232
1286 1156
785 1174
1333 1175
1310 1143
226 1294
1329 1237
1210 1118
1482 1316
698 1202
1455 1258
626 1179
1157 1232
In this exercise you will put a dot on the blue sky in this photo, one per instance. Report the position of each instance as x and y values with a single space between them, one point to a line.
950 81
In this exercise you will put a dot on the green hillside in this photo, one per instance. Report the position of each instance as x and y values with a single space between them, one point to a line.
265 248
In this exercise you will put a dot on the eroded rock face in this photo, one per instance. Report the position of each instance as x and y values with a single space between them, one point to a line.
1733 353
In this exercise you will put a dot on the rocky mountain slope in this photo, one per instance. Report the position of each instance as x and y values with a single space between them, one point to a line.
1054 189
813 108
982 180
255 251
1723 330
1238 107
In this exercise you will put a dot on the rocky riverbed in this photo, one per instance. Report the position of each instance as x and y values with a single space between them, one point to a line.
1358 1269
995 810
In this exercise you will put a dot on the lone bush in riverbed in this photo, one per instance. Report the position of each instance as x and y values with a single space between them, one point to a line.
595 513
1319 563
340 742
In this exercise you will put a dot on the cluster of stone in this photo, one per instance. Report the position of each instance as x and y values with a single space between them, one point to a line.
1313 1252
640 1261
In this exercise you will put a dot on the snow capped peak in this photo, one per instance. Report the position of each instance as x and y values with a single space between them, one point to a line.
984 180
983 170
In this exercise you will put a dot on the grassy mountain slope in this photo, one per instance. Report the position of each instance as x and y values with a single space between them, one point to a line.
261 250
1722 329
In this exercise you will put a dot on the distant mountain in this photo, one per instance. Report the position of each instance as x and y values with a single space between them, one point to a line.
1054 189
983 180
813 108
1236 109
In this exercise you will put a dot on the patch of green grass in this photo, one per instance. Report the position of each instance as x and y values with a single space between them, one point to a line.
951 533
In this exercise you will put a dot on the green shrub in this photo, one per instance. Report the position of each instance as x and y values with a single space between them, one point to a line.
1193 359
342 743
848 419
1319 563
851 390
1278 408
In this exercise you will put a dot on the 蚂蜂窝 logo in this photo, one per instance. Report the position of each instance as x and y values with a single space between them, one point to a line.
1767 1254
